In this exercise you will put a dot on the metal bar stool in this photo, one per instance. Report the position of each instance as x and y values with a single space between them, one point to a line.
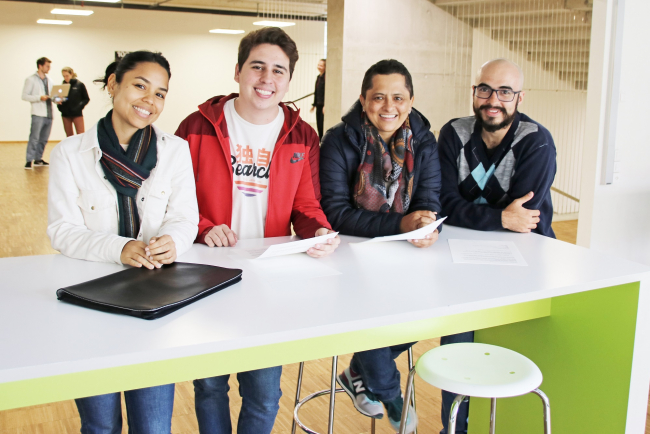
332 391
481 370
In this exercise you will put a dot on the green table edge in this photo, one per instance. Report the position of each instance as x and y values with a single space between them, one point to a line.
89 383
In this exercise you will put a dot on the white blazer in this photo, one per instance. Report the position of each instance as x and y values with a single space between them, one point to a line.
83 212
32 91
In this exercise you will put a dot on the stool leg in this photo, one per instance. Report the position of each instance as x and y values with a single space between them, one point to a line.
547 410
407 401
372 425
411 364
298 386
453 412
330 421
493 416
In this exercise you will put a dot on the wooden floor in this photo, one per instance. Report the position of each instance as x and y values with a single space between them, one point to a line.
23 215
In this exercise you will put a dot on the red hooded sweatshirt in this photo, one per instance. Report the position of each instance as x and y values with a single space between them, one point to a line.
294 186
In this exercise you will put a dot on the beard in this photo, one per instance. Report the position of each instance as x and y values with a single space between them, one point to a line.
493 127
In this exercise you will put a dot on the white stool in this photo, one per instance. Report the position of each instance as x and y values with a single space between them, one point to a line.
481 370
332 391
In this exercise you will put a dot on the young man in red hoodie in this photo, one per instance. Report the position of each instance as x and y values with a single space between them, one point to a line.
256 170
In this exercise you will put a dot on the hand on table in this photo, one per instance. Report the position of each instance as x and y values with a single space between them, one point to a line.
519 219
161 250
322 250
221 236
134 254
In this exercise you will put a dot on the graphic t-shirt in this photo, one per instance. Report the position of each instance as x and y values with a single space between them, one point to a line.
251 148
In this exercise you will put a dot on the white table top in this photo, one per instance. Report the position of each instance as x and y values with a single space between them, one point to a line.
375 285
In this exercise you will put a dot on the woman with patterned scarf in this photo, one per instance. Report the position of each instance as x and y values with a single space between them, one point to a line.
380 175
124 192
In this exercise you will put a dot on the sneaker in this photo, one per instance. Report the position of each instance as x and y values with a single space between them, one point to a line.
364 400
28 165
394 412
41 163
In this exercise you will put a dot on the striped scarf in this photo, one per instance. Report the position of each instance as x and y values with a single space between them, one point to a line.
127 170
384 179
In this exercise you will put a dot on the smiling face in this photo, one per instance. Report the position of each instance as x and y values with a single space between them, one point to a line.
387 103
139 99
493 113
263 81
66 76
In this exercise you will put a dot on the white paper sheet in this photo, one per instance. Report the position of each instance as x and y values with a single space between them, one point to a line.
285 248
417 234
486 252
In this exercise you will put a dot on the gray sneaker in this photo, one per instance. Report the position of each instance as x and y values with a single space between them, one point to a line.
364 400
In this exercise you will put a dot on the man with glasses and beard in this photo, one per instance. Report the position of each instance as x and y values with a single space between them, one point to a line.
497 170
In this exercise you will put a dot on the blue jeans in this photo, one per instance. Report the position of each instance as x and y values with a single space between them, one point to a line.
378 370
148 411
38 136
260 392
448 398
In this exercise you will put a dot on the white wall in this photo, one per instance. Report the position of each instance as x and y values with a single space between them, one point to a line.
202 64
553 103
615 218
416 33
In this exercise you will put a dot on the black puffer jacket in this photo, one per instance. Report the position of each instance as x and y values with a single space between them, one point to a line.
77 100
340 157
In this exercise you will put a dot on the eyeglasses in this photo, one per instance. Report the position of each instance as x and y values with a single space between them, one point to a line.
485 92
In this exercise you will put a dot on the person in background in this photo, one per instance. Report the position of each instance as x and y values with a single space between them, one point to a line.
319 97
36 90
497 170
256 165
106 203
71 108
380 176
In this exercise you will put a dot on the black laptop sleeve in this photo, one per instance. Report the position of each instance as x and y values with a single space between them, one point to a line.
150 294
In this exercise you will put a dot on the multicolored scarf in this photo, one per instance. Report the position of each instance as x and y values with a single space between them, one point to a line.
385 165
127 170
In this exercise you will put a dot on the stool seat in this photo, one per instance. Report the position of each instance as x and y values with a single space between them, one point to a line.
481 370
